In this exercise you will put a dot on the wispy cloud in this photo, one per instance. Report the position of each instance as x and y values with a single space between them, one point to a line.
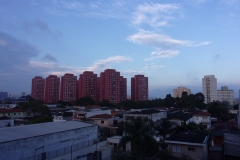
155 14
202 43
162 54
153 66
216 57
157 40
106 63
32 26
48 57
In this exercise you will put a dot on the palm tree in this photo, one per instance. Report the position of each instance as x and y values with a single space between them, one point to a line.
164 127
140 132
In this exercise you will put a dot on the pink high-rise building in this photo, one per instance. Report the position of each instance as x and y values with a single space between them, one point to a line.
38 84
87 85
52 89
112 86
139 88
68 87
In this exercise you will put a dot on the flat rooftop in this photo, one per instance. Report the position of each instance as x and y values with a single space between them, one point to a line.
33 130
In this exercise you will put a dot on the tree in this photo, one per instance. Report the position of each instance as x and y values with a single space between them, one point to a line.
84 101
169 100
219 110
164 127
140 131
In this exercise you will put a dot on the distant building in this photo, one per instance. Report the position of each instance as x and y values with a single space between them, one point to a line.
178 92
139 88
113 87
225 95
3 95
209 87
38 85
203 118
87 85
68 87
52 89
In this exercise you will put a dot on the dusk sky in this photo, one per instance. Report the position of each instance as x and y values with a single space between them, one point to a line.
173 42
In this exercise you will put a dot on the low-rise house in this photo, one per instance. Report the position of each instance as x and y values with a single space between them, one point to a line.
79 115
7 106
192 144
152 114
180 118
102 120
203 118
13 112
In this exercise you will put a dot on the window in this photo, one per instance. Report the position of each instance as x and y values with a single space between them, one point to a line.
176 149
81 115
192 149
102 122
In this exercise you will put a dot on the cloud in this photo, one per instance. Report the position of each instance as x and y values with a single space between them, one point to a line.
48 57
164 44
155 14
216 57
157 40
163 54
15 56
202 43
106 63
153 66
39 25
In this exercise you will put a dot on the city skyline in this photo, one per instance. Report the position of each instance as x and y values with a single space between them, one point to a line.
173 43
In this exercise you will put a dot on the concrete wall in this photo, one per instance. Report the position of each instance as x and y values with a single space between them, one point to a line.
33 146
5 123
200 152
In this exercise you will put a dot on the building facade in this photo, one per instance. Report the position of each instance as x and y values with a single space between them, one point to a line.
110 87
209 87
139 88
52 89
87 85
225 95
38 86
178 92
68 87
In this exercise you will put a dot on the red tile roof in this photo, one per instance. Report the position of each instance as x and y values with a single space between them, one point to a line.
102 116
201 113
10 110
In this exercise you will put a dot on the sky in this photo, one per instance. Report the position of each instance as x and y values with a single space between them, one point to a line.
172 42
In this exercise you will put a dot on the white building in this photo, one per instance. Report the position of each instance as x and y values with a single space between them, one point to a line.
203 118
152 114
225 95
178 92
209 87
78 115
62 140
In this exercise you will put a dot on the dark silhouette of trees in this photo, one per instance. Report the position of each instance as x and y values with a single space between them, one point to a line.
84 101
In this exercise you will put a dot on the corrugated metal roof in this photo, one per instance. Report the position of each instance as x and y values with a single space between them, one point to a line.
26 131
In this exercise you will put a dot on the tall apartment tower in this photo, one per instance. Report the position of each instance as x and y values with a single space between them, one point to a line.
139 88
68 87
52 89
178 92
38 86
225 95
209 87
87 85
112 86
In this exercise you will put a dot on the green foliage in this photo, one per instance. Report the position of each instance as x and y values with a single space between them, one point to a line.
164 127
219 110
42 120
36 107
84 101
140 133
